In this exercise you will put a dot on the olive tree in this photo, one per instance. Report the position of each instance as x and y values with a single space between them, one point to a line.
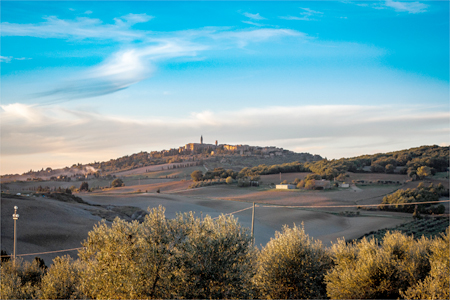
20 279
197 175
292 266
310 184
369 269
437 284
118 182
62 280
160 258
423 171
214 260
127 259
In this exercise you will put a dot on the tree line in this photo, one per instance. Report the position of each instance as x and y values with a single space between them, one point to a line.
417 162
190 257
419 194
409 161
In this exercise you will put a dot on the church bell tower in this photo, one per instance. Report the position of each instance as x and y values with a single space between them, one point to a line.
201 139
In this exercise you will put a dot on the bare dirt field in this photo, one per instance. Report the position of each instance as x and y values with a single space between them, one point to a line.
376 176
372 195
164 185
154 168
44 225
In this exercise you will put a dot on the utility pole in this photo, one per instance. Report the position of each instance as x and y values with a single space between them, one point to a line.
253 224
15 217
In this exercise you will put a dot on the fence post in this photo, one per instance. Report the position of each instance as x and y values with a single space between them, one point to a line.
253 224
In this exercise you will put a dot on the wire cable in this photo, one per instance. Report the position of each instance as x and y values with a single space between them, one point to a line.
56 251
234 212
360 205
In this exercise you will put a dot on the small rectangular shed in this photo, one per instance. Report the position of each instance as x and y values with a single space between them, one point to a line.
285 186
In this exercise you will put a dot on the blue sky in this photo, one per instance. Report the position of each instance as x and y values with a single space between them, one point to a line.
89 81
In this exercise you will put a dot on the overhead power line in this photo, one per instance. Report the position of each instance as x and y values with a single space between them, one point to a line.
357 205
47 252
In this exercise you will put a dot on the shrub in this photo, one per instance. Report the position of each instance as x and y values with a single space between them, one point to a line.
292 266
372 270
20 280
160 258
301 184
229 180
62 280
117 182
197 175
310 184
312 176
437 284
84 186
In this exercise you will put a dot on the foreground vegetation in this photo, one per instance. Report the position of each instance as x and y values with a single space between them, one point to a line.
189 257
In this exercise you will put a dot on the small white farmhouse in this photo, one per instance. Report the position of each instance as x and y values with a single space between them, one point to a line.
285 186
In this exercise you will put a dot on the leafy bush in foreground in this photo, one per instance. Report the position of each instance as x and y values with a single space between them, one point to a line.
371 270
160 258
20 280
436 285
190 258
292 266
62 280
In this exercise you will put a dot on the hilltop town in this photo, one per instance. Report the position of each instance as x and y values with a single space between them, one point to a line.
217 155
216 149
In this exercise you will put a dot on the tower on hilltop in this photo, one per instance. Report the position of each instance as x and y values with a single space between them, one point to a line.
201 139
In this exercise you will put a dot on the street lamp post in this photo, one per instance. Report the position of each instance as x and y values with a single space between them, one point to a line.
15 217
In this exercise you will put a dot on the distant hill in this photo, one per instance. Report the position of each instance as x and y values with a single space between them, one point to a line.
237 157
404 162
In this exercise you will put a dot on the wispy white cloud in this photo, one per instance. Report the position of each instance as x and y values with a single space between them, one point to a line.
88 12
310 12
294 18
8 59
80 28
410 7
399 6
244 37
252 23
119 71
256 16
136 63
305 15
